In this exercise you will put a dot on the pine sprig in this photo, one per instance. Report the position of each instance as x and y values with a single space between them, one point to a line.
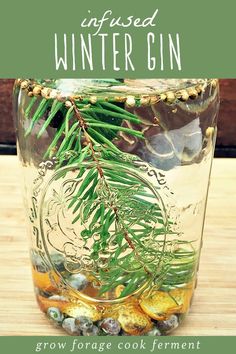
114 207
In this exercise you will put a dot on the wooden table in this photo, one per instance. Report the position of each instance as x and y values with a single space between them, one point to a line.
214 307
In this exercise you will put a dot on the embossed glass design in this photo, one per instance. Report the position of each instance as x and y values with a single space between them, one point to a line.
116 176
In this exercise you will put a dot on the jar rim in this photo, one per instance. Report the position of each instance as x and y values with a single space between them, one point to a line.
118 89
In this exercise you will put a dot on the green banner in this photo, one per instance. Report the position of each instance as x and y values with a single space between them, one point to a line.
105 38
115 345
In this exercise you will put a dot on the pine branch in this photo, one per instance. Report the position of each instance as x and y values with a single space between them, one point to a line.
112 204
54 109
44 104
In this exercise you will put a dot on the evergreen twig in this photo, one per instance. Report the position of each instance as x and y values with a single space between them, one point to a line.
111 202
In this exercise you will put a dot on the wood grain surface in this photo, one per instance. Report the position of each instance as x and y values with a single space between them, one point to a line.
213 310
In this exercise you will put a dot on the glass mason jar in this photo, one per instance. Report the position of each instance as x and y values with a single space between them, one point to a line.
116 178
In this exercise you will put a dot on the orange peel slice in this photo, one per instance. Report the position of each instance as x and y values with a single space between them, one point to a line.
45 303
131 318
183 297
44 281
159 305
82 309
133 321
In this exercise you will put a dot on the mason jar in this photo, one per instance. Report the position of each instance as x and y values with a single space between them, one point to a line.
116 175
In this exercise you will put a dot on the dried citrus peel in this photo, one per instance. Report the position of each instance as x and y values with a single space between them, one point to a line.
45 281
159 305
131 318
